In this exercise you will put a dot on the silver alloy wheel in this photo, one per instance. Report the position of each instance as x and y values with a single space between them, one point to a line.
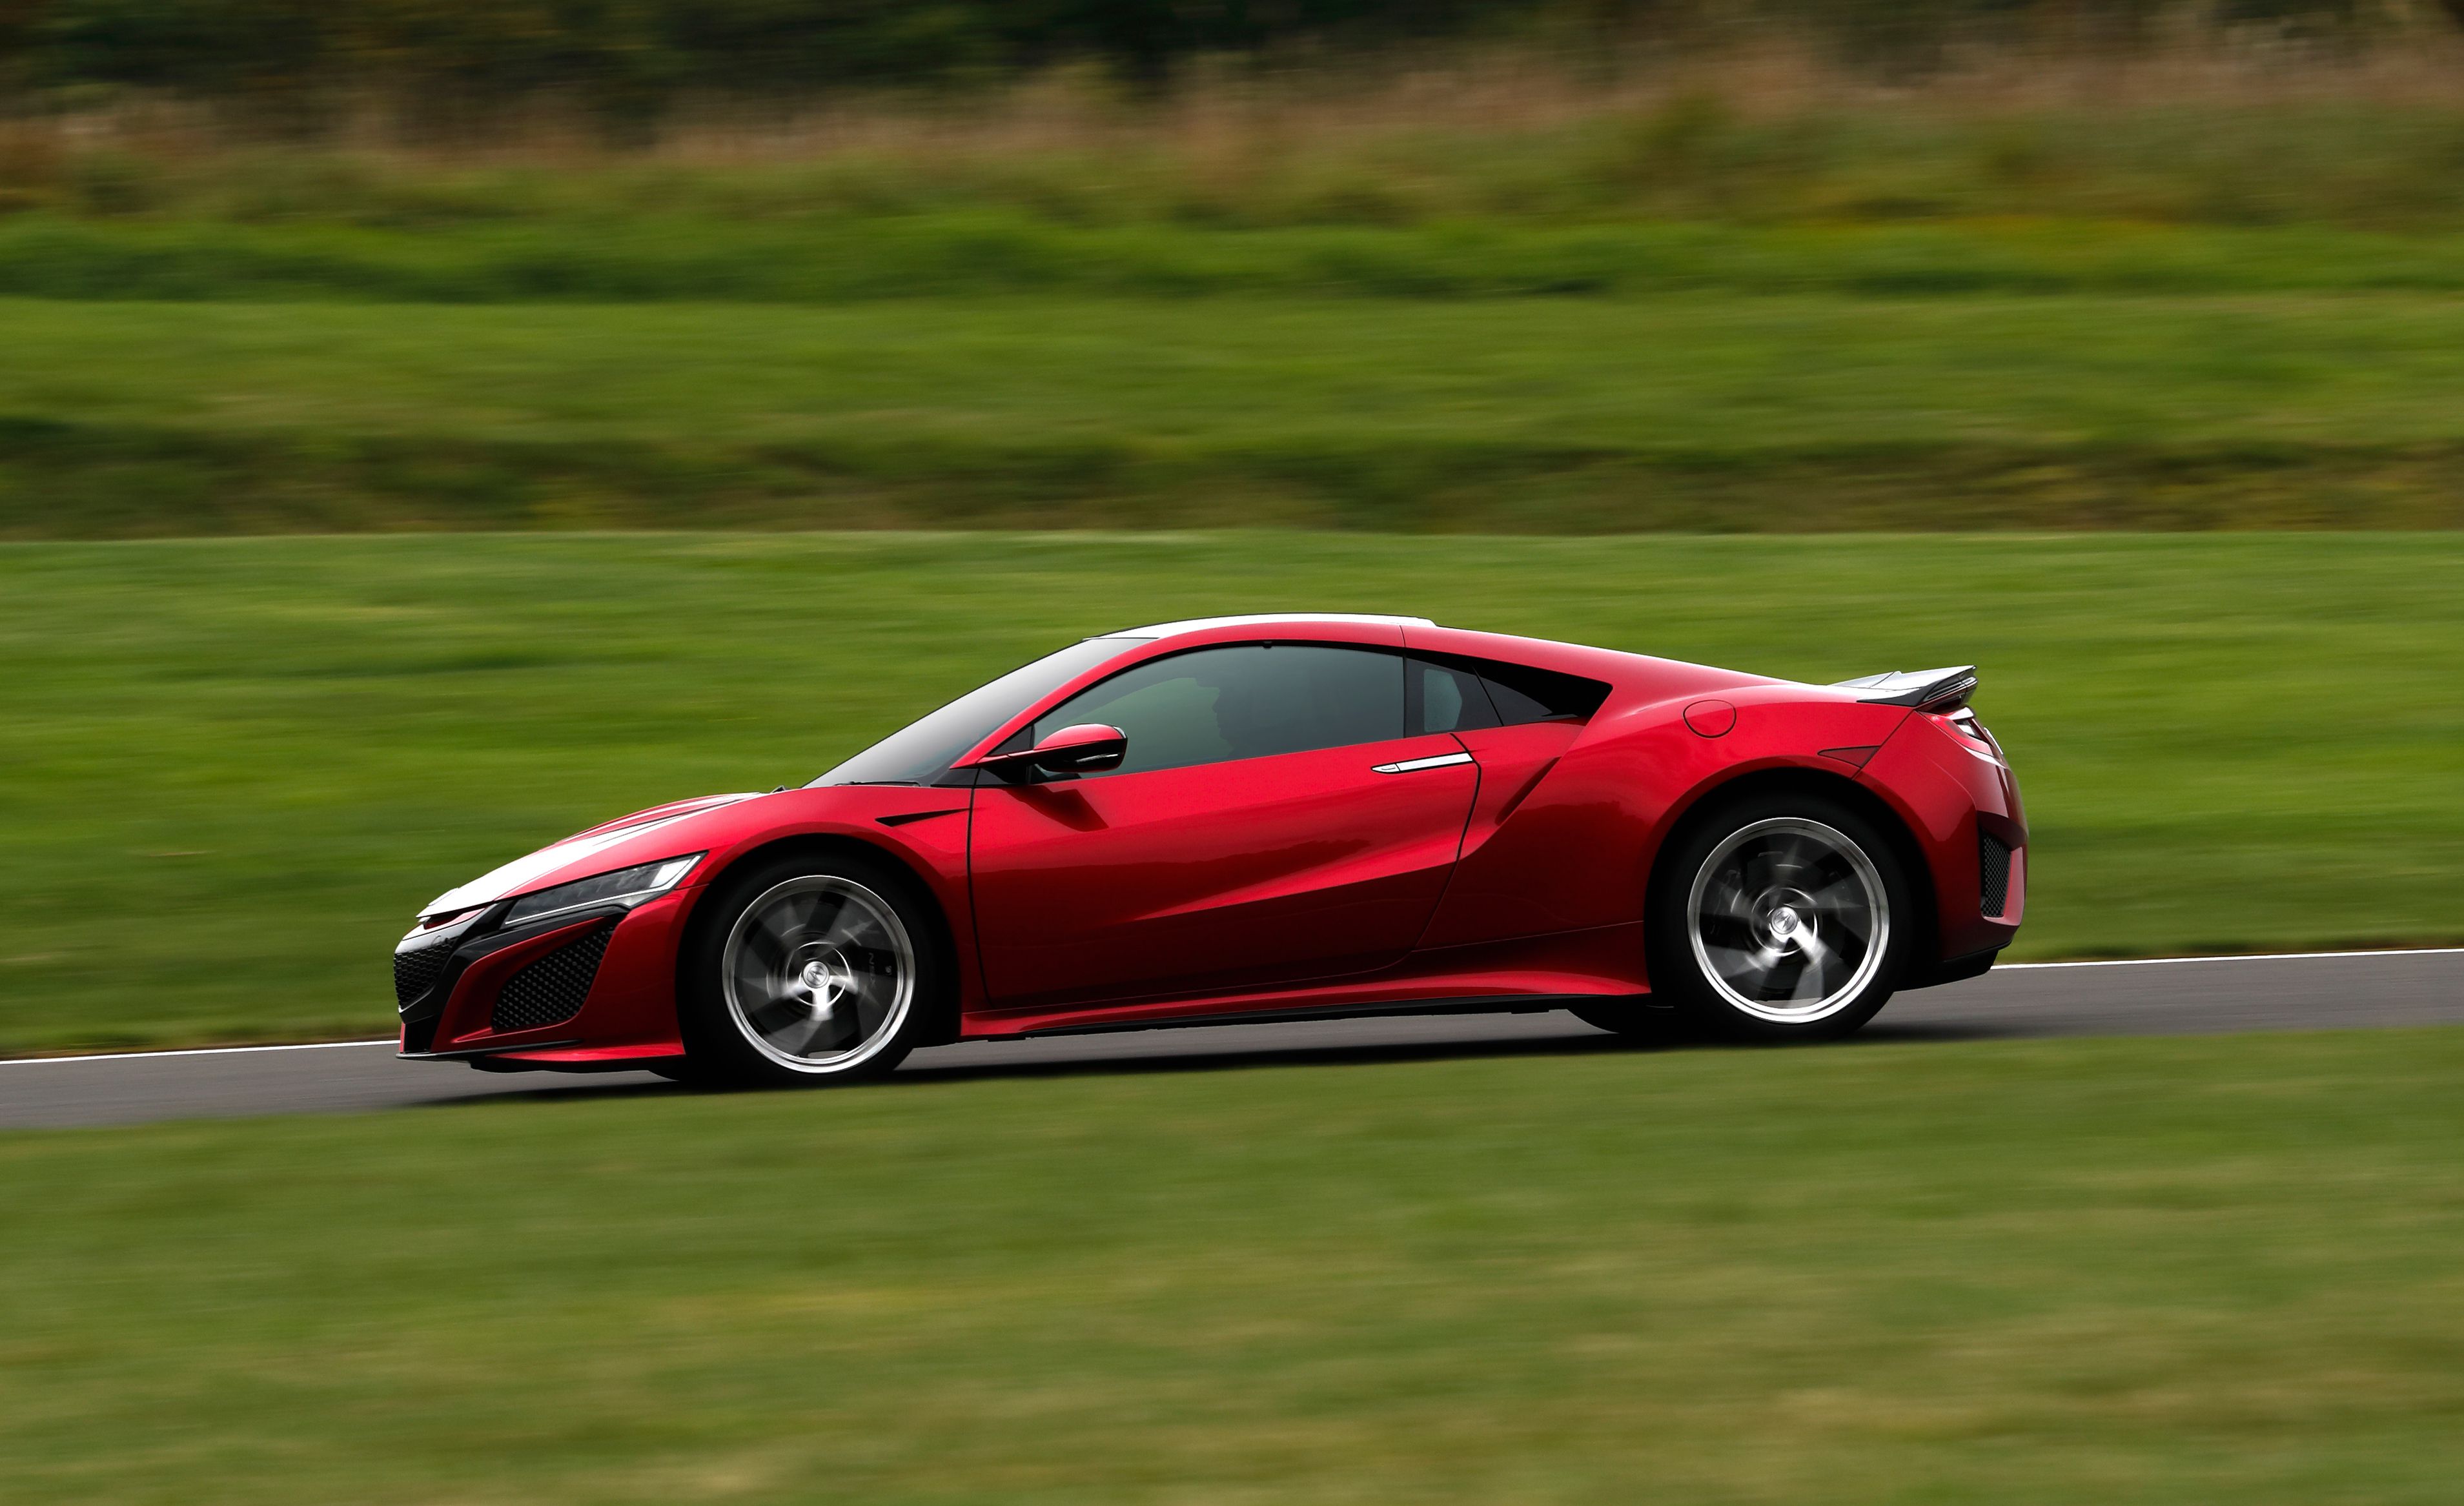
1790 919
819 973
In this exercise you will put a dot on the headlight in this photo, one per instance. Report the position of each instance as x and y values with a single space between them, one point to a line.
627 886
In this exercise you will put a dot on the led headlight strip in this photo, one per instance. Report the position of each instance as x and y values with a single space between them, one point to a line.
626 886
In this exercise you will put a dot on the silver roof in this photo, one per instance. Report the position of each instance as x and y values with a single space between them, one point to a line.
1166 629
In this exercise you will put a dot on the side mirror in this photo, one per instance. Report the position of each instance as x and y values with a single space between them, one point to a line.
1089 748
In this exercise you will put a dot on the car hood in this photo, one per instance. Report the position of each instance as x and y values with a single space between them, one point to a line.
608 845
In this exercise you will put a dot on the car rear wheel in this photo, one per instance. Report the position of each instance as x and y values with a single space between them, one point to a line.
1781 918
810 970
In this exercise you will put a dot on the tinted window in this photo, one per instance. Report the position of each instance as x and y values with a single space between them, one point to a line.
1447 699
1514 694
1249 701
922 750
1515 707
1523 694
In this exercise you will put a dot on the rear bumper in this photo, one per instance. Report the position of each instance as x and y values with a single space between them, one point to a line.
1962 807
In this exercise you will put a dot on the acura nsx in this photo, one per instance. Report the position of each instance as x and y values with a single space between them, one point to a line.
1242 819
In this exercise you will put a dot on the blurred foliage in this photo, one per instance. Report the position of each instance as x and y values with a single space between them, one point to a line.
2336 157
625 60
2205 309
626 56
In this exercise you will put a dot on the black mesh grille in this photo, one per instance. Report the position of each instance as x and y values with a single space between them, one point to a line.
415 972
553 987
1994 864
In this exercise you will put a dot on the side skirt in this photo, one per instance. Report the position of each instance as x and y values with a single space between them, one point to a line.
1496 1004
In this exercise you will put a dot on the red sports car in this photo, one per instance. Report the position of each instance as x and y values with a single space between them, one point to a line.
1240 819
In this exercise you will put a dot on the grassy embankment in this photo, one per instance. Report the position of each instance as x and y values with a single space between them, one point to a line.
1711 414
1552 311
2131 1272
1494 179
229 770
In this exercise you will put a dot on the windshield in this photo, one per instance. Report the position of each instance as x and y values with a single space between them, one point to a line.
922 750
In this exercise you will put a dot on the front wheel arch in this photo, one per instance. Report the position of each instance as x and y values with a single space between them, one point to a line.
821 845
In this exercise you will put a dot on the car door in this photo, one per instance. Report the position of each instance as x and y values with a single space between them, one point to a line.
1275 819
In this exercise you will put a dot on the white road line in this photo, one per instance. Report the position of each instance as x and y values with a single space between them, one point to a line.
2006 967
2239 957
195 1050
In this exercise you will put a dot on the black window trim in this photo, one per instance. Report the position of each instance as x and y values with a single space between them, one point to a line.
1016 741
1592 694
1486 672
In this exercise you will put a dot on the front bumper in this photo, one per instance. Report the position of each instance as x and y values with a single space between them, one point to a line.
593 986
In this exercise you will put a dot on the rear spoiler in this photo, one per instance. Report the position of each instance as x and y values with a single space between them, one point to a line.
1926 690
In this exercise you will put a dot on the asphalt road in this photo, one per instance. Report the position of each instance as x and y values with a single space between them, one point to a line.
2206 996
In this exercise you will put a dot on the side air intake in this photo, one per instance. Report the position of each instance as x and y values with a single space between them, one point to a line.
551 990
416 971
1994 870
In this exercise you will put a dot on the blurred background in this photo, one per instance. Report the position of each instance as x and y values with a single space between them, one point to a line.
429 427
1628 264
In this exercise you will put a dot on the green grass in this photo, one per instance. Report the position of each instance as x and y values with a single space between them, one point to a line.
231 770
654 255
2029 1274
1506 415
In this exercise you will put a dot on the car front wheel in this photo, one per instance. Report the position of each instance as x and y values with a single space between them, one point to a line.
808 971
1782 918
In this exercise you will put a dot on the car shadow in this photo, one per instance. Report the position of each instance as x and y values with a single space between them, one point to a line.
1338 1053
1239 1059
546 1086
1881 1032
923 1072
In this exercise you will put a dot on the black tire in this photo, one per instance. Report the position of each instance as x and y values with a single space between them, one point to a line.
808 970
1724 955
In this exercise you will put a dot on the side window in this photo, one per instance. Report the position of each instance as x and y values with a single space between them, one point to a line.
1524 693
1489 693
1517 706
1447 699
1244 700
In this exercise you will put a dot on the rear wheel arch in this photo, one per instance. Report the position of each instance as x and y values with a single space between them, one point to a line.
822 845
1708 805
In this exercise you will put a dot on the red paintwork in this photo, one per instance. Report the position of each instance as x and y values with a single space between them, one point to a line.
1944 786
1306 881
1224 875
1711 719
465 1022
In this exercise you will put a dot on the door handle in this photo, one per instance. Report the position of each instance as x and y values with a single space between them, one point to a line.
1413 764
